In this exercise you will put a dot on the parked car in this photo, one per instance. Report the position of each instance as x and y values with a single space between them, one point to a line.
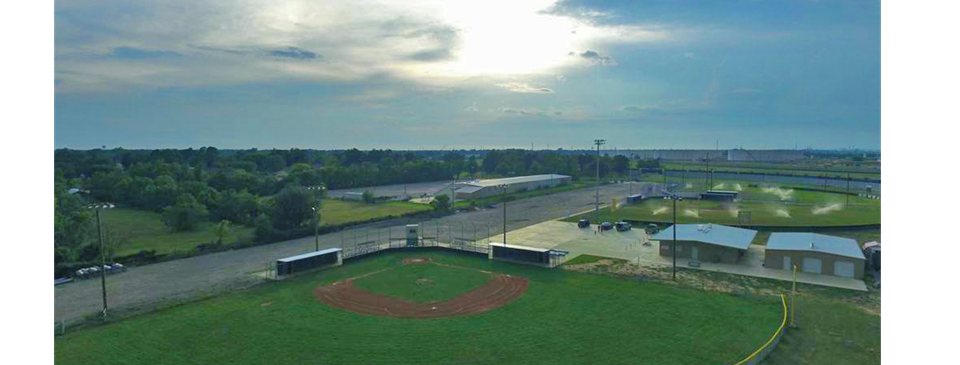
583 223
652 228
623 226
605 226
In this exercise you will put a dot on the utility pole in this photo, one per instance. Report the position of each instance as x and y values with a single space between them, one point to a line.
675 198
598 142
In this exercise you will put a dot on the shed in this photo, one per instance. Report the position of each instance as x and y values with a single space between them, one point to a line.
815 253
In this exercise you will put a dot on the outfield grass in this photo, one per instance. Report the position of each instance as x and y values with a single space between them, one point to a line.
798 208
145 230
829 332
563 318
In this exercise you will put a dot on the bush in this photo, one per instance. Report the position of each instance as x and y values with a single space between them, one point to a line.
185 215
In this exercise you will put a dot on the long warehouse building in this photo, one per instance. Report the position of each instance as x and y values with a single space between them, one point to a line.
485 188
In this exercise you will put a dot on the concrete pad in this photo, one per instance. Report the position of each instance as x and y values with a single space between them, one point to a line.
629 246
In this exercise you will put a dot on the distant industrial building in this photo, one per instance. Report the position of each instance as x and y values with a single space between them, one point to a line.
706 242
736 155
815 253
485 188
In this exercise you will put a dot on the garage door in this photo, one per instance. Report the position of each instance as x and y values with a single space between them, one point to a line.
814 266
843 268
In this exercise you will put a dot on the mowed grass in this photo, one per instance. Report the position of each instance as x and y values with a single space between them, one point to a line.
336 212
563 318
423 283
589 259
829 332
144 230
800 208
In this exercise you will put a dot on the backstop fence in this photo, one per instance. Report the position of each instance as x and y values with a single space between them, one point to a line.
457 235
757 356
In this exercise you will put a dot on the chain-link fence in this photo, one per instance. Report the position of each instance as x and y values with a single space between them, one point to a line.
458 235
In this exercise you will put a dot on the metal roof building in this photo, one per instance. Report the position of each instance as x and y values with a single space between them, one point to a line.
815 242
706 242
814 253
485 188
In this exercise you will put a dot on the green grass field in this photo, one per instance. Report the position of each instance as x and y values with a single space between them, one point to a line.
145 230
784 207
563 318
336 212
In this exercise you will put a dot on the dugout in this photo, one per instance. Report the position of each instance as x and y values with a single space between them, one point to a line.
522 254
307 261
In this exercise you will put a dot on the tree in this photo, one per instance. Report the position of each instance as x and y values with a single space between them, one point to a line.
293 207
621 164
368 197
237 207
221 229
472 166
73 224
441 202
186 214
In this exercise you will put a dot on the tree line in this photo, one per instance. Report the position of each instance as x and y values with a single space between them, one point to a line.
263 189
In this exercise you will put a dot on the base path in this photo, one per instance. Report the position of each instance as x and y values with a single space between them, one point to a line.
501 290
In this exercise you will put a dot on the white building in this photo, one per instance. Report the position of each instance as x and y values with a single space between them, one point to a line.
485 188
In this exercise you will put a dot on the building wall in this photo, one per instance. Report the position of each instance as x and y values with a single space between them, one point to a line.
706 252
773 259
764 155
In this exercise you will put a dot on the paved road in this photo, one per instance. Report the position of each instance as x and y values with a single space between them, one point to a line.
195 276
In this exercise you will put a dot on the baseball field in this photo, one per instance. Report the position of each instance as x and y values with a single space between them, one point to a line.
433 307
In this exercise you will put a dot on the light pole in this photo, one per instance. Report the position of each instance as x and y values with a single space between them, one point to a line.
103 255
316 214
596 215
674 197
504 187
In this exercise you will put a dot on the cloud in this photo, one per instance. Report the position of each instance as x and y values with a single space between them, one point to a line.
530 112
131 53
472 108
443 39
596 58
522 87
428 42
294 53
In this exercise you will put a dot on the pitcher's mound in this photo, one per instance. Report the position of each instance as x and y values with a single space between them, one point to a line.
416 261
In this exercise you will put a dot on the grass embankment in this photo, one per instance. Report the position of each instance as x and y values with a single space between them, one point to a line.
563 318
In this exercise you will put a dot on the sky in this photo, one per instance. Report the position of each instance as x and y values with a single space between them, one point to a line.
425 74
